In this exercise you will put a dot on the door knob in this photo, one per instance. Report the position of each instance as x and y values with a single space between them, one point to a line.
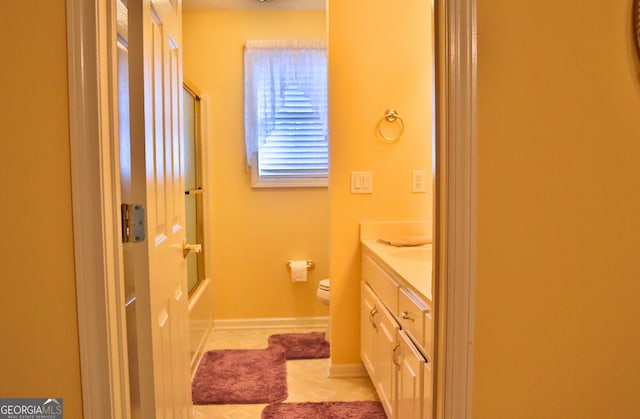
190 248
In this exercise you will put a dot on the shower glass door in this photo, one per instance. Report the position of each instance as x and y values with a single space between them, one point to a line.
193 186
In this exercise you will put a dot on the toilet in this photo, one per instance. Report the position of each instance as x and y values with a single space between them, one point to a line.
323 295
323 291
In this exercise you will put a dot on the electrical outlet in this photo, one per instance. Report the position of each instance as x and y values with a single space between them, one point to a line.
419 181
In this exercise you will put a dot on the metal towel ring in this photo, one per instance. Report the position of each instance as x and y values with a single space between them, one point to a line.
390 116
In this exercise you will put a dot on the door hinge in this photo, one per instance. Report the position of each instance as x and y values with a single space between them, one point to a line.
132 223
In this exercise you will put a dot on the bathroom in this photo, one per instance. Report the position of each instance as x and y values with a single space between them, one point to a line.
541 107
255 232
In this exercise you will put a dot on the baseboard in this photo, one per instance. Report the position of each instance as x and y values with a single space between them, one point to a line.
271 323
346 370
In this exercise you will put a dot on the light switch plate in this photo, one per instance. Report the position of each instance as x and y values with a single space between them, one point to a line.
361 182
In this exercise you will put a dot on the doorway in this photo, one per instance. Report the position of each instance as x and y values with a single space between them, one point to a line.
93 170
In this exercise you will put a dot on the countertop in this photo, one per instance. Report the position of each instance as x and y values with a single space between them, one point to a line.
412 264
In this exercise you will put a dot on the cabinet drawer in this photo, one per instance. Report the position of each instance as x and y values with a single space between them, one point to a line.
411 312
382 283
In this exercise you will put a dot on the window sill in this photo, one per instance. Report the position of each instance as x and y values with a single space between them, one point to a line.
258 183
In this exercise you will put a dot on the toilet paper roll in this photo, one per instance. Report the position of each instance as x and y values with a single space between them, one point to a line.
298 270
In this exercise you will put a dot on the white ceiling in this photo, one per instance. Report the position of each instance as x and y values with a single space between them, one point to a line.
253 5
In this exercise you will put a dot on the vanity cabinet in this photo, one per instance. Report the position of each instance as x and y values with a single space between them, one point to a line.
378 348
396 342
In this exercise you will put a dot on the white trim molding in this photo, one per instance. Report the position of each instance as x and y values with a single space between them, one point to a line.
346 370
100 297
461 196
271 323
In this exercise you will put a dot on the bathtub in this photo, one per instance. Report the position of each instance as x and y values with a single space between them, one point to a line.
200 321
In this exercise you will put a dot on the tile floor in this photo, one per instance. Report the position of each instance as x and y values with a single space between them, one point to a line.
306 378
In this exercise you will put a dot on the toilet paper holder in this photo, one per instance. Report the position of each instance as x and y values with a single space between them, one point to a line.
310 264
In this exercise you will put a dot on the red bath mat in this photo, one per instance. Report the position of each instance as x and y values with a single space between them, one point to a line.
325 410
241 376
301 345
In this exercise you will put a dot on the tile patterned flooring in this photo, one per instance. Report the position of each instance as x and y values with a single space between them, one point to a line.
306 378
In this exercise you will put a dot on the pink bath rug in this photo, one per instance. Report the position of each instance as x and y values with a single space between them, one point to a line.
301 345
325 410
241 376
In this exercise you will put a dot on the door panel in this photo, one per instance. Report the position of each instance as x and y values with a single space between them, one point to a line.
157 160
157 177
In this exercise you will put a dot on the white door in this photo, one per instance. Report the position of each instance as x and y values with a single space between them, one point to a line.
157 177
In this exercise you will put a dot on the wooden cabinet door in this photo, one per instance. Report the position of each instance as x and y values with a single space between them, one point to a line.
368 326
383 360
427 391
410 367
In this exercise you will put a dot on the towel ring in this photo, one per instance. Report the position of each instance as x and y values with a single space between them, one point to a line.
390 116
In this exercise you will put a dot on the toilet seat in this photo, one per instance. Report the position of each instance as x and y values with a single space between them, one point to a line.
323 292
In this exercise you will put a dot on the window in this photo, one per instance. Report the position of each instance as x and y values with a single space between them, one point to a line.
285 113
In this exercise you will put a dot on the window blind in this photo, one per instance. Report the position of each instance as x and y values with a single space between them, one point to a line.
286 109
297 146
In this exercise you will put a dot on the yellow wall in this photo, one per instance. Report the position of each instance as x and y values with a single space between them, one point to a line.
39 340
558 285
255 231
379 58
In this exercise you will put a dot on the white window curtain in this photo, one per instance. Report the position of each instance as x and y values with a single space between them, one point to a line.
269 67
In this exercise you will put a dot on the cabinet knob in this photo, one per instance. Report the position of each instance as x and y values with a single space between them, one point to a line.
372 320
395 357
407 316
